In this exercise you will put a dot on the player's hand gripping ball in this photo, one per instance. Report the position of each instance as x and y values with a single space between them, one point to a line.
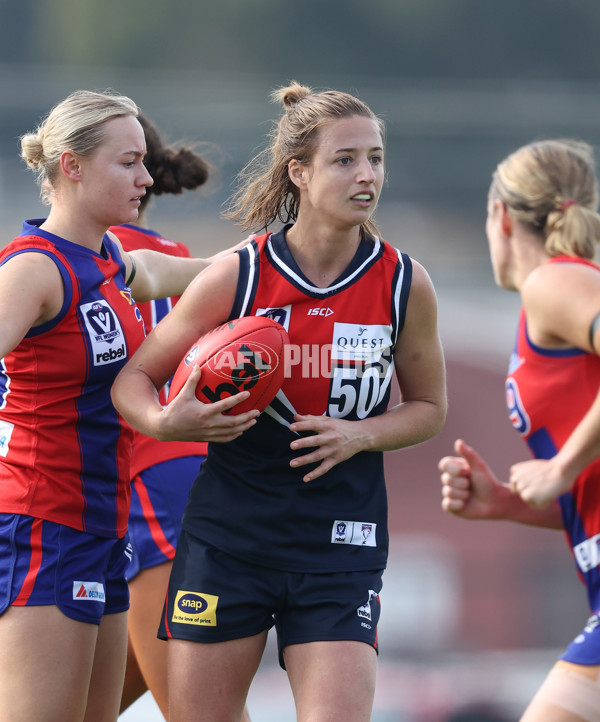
246 354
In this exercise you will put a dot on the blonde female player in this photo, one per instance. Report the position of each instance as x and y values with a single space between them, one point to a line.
543 228
68 322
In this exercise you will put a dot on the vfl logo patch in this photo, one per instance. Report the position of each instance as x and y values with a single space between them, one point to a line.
104 331
281 314
359 533
191 356
195 608
89 591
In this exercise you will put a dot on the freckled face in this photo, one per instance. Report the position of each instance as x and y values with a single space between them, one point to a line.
114 177
344 179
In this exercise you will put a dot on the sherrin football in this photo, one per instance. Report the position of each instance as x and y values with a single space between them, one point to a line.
245 354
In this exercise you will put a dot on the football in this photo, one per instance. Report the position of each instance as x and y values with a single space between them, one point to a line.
245 354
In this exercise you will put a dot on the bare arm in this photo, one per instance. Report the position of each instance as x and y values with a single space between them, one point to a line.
421 373
560 301
420 370
31 293
160 275
470 490
205 304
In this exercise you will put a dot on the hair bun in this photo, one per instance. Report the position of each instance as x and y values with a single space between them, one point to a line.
292 94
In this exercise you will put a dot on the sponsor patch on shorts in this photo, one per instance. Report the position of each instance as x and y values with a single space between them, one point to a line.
195 608
89 591
364 611
360 533
6 429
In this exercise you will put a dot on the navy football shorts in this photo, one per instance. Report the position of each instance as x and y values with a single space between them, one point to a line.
214 597
158 497
44 563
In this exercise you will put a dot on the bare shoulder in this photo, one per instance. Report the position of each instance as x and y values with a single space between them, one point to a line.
422 307
420 276
560 300
36 269
31 293
421 288
560 280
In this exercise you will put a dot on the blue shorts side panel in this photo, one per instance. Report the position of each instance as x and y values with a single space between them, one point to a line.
158 498
585 648
44 563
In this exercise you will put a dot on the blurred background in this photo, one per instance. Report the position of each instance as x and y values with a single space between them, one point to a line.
474 614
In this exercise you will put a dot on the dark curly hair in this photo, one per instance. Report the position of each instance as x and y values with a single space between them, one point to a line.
173 170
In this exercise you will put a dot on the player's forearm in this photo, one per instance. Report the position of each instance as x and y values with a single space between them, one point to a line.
583 445
407 424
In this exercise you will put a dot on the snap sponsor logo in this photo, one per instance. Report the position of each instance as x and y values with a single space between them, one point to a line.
195 608
89 591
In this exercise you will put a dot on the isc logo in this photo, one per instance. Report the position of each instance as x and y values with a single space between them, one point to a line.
317 311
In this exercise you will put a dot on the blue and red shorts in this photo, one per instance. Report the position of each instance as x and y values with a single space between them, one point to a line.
585 648
158 497
44 563
214 597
